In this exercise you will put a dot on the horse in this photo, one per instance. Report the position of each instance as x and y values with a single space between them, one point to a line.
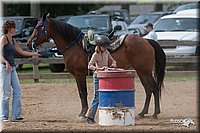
144 55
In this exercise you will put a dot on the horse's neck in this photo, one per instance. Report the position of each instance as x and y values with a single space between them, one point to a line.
59 41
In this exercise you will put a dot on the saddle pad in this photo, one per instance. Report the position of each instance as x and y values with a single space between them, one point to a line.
116 44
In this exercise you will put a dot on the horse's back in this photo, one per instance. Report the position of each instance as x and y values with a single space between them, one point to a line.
136 52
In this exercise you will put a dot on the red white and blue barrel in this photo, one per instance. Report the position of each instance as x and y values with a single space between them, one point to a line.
116 97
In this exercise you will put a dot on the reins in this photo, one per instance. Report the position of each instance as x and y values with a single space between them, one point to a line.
44 31
71 43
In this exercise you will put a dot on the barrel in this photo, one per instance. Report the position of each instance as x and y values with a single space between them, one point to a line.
116 97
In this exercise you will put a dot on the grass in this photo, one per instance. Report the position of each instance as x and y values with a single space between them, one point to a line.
44 68
28 68
181 78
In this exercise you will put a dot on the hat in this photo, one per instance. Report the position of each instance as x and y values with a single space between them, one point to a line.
149 25
102 41
88 26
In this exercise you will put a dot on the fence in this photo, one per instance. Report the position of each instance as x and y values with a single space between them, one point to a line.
36 75
172 63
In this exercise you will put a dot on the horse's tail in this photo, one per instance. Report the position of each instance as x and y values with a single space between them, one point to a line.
160 63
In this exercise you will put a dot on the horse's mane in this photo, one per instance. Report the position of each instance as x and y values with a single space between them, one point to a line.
67 31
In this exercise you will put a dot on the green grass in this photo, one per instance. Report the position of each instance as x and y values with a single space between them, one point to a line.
28 68
72 80
44 68
181 78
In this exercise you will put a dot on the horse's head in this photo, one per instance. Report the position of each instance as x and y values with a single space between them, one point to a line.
40 33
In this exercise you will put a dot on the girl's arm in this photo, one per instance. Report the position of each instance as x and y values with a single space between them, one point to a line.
91 64
111 61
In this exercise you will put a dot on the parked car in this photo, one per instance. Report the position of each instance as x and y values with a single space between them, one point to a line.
63 18
178 28
24 28
121 14
101 24
124 28
137 26
186 7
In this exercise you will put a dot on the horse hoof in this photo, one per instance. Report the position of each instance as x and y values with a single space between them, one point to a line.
82 118
155 116
141 115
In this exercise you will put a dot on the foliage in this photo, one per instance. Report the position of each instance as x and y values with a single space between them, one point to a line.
13 9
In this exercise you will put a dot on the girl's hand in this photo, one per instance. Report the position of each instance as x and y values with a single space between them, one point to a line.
112 66
104 68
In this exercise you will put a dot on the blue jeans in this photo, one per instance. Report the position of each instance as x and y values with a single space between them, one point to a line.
95 99
8 80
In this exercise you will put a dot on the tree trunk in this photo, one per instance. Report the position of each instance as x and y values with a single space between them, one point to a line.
35 10
125 6
158 7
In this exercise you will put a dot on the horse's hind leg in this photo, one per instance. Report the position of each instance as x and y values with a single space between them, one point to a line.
146 105
150 87
156 100
146 81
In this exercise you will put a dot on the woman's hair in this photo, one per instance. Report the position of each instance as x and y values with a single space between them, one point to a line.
8 24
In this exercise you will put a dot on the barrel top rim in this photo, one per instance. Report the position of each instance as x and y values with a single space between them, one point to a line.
116 71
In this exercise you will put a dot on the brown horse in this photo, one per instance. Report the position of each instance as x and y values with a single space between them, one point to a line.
141 54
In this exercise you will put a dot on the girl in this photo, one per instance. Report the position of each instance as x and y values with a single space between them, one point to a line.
100 60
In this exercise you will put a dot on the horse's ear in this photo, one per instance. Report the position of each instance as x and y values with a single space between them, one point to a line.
48 15
44 17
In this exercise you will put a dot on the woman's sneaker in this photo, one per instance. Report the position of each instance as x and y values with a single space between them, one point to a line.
4 120
18 119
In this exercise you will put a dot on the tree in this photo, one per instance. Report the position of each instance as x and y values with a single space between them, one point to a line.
158 7
55 9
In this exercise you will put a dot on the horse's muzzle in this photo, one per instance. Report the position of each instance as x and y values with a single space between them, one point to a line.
28 45
31 45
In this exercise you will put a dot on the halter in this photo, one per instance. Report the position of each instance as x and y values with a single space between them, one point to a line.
43 31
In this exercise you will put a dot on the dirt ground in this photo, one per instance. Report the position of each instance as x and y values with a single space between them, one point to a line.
55 107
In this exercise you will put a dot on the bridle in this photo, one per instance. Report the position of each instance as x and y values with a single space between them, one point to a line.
34 45
41 32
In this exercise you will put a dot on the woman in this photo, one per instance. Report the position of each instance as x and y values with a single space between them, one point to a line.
100 60
8 74
151 33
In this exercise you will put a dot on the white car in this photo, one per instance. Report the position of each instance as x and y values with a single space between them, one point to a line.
124 26
178 28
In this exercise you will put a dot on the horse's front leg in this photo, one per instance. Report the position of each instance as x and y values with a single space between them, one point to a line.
82 88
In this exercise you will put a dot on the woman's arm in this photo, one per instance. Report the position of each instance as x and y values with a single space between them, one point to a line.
22 52
3 42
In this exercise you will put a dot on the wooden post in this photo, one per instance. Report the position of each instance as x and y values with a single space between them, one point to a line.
36 69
